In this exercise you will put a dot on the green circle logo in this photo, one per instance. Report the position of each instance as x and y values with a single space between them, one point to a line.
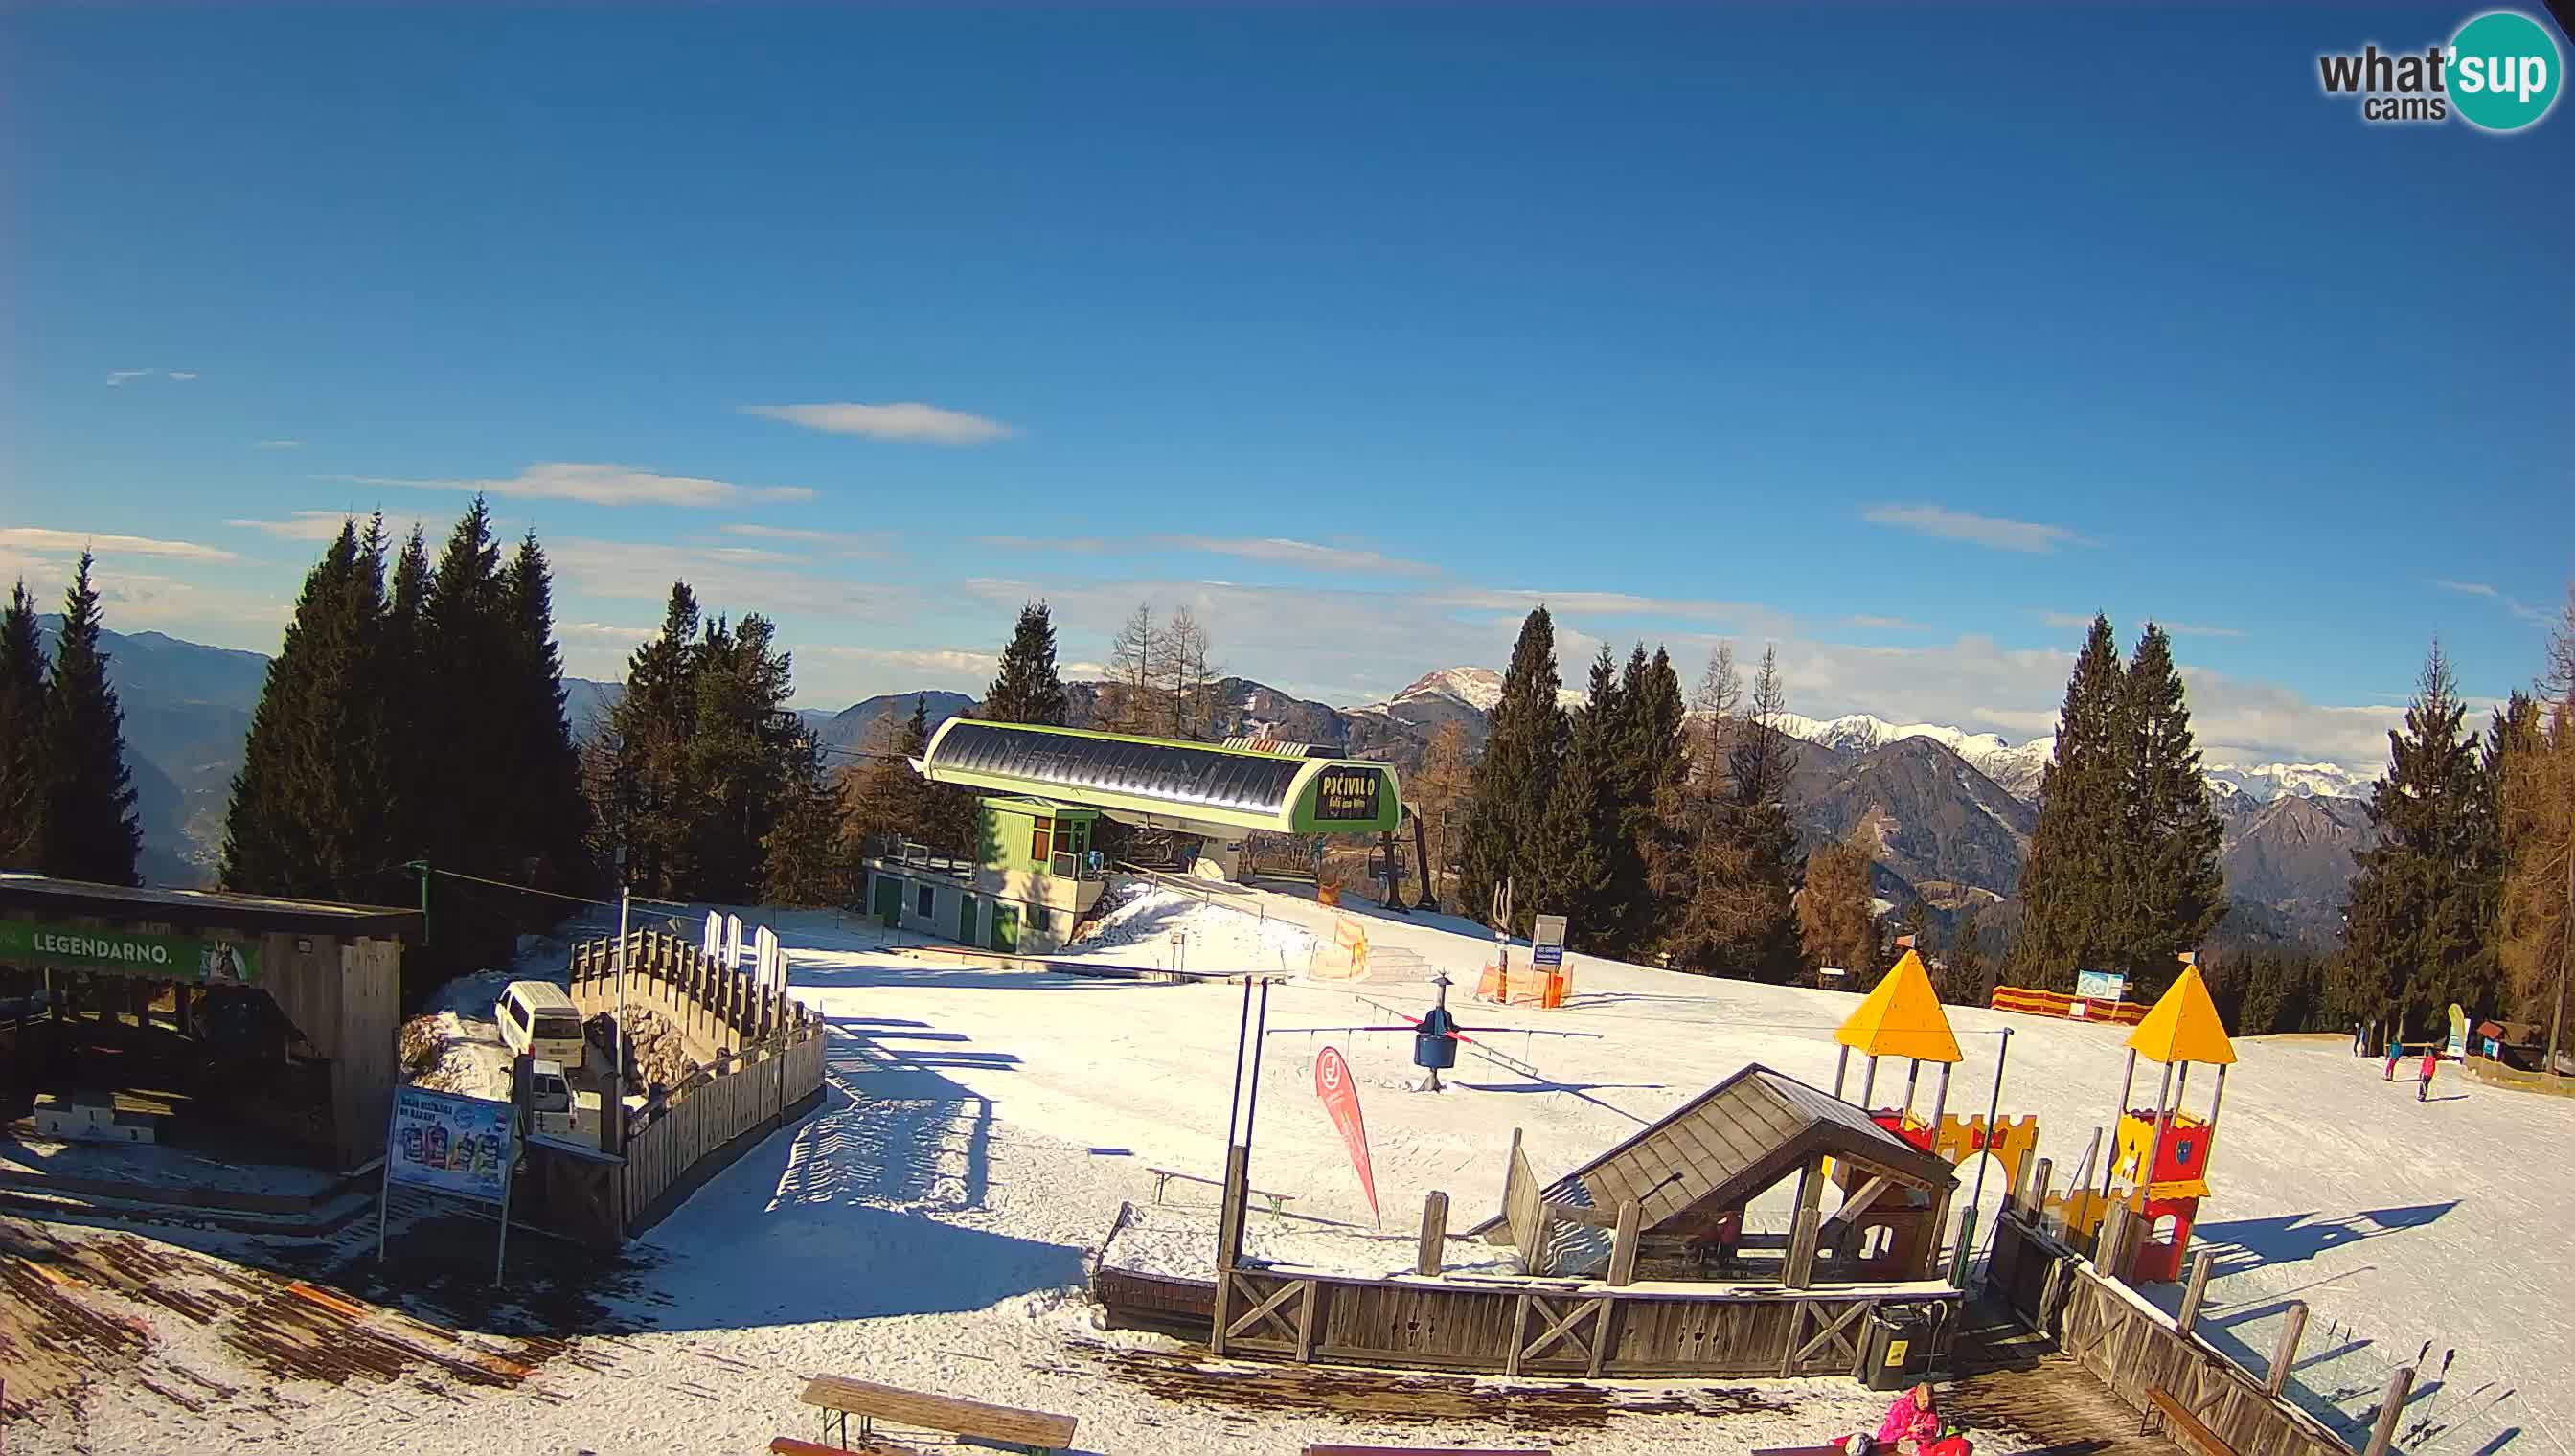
2505 72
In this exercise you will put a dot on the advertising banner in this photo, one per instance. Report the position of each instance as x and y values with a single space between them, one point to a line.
1348 795
1341 1097
164 958
450 1143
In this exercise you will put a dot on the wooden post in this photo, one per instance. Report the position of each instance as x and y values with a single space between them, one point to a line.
2284 1357
2107 1240
2036 1207
1622 1246
1801 1239
1939 1233
2199 1292
1435 1235
2391 1408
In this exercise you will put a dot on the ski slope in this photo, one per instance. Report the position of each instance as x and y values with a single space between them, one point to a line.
931 1225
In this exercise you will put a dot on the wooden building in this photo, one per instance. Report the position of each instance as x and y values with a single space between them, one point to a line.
181 981
1692 1175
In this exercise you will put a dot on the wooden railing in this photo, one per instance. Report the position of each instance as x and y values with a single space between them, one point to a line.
2133 1348
764 1065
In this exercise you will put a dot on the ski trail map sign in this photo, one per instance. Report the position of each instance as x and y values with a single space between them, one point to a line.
1340 1099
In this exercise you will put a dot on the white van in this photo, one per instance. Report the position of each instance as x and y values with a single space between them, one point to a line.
539 1019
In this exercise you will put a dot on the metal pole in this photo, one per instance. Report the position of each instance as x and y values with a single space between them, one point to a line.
1868 1084
2128 1081
1233 1105
1993 1107
2155 1149
501 1257
616 1099
1841 1066
1912 1079
2565 961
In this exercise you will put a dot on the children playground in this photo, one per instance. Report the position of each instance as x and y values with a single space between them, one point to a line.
1638 1220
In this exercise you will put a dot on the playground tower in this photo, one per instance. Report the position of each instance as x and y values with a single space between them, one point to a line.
2159 1162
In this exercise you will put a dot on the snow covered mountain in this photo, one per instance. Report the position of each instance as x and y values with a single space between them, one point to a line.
1435 697
2266 782
2015 767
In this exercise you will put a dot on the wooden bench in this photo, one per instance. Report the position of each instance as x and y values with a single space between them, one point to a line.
2179 1421
1277 1201
840 1398
1426 1451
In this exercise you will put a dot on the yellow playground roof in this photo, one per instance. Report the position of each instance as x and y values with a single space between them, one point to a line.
2184 1026
1901 1017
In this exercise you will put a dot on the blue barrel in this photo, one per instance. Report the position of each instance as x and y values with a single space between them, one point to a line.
1432 1046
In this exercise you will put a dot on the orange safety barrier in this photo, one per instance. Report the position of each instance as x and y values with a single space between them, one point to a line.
2065 1008
1530 987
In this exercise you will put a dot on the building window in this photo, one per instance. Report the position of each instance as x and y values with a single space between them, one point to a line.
1063 838
925 902
1040 840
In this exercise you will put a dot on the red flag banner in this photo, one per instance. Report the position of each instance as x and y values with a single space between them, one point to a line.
1340 1099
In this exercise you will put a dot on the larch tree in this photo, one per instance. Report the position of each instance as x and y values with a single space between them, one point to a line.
1837 926
1028 688
1440 796
1135 665
1513 779
2536 808
24 796
90 828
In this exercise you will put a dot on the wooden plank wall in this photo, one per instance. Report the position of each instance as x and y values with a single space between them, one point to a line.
369 1031
1525 1210
2132 1349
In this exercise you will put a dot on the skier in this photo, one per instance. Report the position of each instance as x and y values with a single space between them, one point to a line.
2431 1059
2359 1043
2395 1052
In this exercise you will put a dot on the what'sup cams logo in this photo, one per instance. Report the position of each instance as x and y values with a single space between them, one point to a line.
2500 73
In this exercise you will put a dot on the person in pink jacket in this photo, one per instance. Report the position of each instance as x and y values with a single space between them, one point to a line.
1911 1423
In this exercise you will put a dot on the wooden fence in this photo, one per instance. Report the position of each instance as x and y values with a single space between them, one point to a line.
2495 1075
1516 1327
2133 1348
767 1070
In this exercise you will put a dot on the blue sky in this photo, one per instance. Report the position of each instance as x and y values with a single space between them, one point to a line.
1904 340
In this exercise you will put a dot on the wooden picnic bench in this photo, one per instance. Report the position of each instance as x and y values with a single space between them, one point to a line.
840 1398
1162 1177
2178 1421
1325 1450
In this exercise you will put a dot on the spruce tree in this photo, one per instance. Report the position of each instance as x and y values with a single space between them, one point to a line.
802 859
739 753
2070 893
1966 979
309 805
1027 689
1653 773
551 818
1515 779
1582 832
2171 891
411 721
90 828
473 817
24 790
2420 911
642 796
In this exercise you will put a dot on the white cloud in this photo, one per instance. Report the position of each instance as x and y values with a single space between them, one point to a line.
1743 616
2187 629
940 666
116 376
1882 623
1987 531
2466 589
72 543
322 526
925 423
1284 552
2521 611
599 485
727 580
182 374
845 543
2082 621
279 445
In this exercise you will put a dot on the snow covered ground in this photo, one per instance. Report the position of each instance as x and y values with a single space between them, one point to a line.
931 1225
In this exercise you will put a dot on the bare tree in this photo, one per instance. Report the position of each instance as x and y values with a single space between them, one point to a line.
1134 658
1714 709
1187 682
1440 794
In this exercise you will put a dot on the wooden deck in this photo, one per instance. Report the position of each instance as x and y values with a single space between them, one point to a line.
2011 1379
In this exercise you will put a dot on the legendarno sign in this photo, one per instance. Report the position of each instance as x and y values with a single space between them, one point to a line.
165 957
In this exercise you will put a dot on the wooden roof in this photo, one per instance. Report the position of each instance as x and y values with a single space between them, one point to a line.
38 897
1736 1138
